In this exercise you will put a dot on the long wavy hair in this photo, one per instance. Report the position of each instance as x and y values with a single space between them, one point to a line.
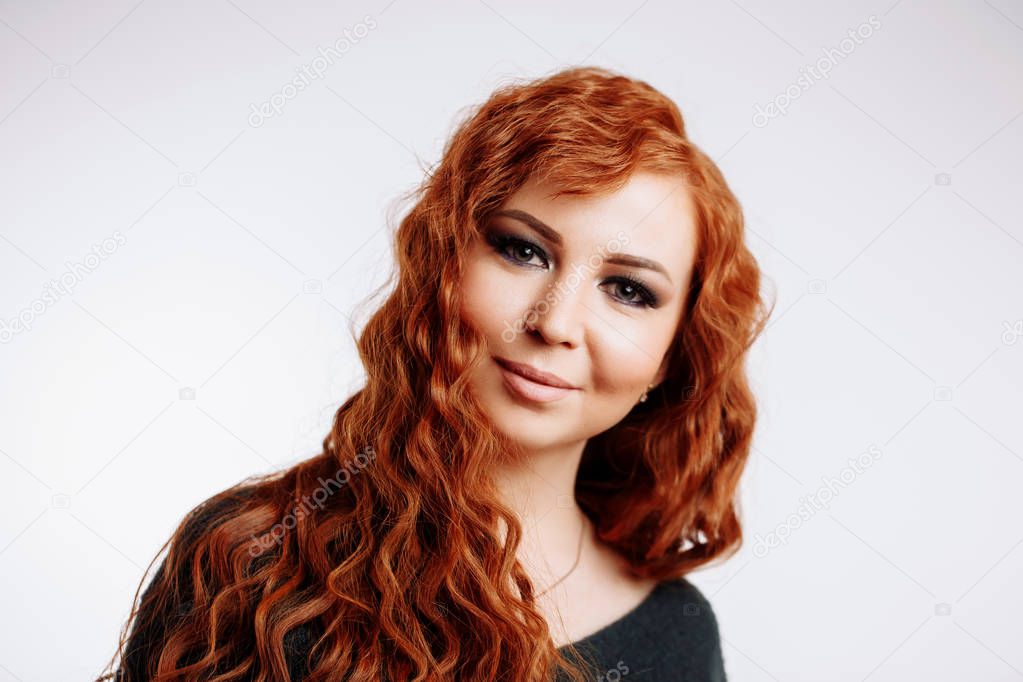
382 557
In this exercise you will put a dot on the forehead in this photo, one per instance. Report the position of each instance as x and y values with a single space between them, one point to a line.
654 211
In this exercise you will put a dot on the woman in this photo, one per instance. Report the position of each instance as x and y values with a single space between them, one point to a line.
554 423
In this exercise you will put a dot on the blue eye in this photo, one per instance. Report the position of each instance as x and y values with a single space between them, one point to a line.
522 252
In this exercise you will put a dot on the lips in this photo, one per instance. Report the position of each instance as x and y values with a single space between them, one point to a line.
526 383
533 374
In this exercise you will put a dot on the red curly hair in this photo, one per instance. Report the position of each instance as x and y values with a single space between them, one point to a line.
381 557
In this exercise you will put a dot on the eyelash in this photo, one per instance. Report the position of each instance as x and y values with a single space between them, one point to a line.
501 242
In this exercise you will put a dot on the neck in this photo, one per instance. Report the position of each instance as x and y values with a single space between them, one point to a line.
540 489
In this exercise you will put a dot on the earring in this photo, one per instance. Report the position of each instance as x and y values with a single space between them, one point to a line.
643 397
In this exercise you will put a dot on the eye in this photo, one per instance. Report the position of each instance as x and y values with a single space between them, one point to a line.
631 288
515 250
631 291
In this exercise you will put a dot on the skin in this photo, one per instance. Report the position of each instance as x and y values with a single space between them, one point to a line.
593 331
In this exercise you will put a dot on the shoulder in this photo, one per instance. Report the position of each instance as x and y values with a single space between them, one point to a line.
684 591
672 635
682 619
680 602
211 512
168 600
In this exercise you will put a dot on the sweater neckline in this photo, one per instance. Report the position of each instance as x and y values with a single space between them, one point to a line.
628 616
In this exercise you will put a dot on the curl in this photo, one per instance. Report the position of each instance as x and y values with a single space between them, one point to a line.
403 566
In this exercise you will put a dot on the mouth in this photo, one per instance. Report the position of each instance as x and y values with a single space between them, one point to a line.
532 384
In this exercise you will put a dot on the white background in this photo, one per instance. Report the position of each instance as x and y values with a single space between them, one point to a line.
884 207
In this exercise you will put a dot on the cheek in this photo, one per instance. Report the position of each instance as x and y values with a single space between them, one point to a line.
626 359
494 300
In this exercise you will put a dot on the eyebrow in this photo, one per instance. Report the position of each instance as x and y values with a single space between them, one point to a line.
552 235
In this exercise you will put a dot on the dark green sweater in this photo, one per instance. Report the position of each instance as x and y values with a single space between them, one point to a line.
672 636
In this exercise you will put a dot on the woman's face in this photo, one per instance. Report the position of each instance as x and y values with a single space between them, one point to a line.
589 289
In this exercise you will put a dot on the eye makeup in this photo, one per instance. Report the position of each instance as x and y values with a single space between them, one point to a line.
521 252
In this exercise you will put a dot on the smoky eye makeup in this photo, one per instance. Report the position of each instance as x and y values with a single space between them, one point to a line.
516 249
629 290
647 298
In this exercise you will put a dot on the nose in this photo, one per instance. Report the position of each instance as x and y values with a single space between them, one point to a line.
559 317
